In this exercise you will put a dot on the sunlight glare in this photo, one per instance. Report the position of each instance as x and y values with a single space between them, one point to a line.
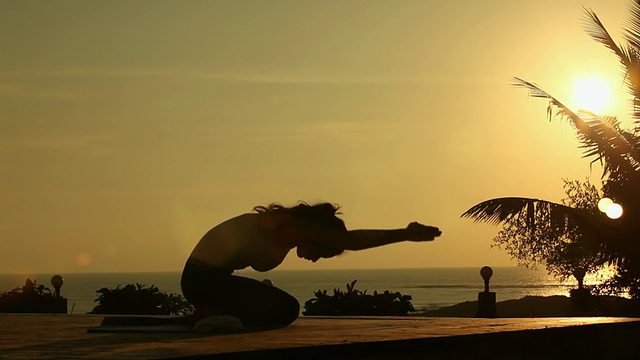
614 211
84 259
592 94
604 203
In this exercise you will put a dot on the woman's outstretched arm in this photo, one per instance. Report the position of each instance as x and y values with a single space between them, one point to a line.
366 239
355 240
315 241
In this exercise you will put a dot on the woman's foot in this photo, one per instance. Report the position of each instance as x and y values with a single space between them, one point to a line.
200 313
218 323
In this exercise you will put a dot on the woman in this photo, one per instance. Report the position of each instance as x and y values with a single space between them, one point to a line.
261 240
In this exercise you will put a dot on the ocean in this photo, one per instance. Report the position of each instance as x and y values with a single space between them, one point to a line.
430 288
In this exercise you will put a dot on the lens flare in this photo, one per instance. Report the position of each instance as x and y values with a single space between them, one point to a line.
604 203
614 211
84 259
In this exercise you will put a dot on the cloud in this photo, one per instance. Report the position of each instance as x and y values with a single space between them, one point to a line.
302 77
305 76
54 142
84 73
23 91
342 130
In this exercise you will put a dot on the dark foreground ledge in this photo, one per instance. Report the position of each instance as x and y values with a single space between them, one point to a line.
66 337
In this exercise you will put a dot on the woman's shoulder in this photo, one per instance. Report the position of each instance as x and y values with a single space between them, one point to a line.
265 222
273 220
241 219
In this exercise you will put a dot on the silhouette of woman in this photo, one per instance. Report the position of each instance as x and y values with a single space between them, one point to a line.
261 240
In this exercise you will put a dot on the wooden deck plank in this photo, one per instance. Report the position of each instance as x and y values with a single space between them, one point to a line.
25 336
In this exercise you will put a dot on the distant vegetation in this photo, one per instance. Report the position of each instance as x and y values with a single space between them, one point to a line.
139 299
31 298
545 306
356 302
575 235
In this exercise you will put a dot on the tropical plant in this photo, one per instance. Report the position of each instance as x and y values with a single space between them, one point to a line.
556 243
575 234
31 298
356 302
139 299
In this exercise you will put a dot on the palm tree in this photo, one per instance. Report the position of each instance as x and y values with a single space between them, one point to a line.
557 230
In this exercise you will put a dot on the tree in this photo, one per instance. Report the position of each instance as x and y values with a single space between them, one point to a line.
556 243
573 234
32 298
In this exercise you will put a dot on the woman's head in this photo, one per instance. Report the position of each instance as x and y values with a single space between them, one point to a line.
321 213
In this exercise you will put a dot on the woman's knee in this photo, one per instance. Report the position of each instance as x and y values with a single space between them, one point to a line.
291 311
284 315
276 311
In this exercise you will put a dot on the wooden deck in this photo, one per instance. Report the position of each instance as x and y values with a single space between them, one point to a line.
25 336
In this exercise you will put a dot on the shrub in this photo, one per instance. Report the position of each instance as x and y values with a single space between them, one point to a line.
138 299
31 298
356 302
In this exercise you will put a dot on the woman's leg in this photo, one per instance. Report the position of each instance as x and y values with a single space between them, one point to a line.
201 282
260 305
215 291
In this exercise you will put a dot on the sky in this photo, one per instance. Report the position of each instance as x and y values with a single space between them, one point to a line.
130 128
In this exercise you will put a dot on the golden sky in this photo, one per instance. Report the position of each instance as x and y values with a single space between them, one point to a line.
129 128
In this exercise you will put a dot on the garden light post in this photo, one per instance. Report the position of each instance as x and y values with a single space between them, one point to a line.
579 274
580 298
486 299
57 281
59 304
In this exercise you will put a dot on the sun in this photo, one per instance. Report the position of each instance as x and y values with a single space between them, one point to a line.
592 94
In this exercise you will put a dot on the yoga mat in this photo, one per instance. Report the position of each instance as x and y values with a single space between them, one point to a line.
140 324
154 324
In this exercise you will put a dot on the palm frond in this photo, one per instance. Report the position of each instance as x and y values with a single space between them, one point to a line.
498 210
629 56
632 35
596 29
560 217
536 91
633 68
632 29
609 142
600 136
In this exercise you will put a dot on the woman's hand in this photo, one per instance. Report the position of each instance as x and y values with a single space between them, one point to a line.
419 232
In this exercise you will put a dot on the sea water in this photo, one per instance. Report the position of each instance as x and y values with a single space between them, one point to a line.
430 288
